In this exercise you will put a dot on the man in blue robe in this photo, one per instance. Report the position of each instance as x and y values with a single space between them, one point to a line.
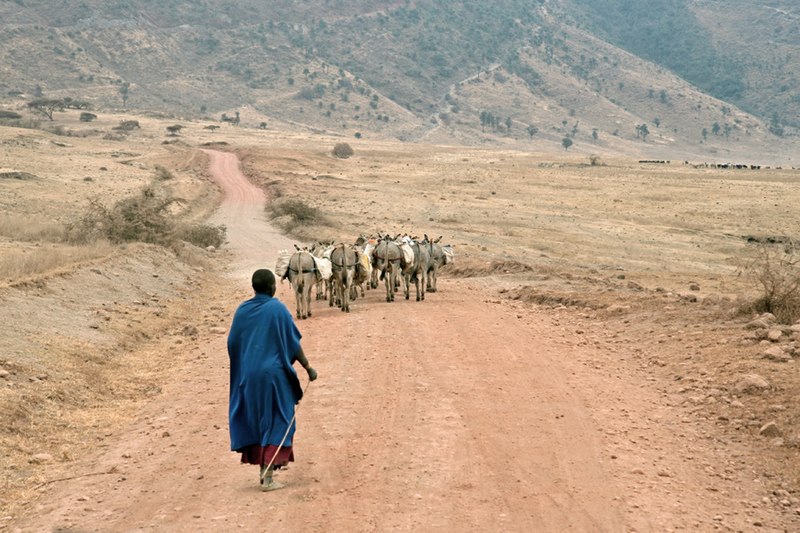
263 343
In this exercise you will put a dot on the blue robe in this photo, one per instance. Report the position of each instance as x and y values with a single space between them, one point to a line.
264 387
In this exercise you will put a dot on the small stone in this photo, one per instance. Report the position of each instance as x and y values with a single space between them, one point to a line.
217 330
751 383
775 335
211 249
165 434
4 373
776 353
41 458
758 323
694 287
770 429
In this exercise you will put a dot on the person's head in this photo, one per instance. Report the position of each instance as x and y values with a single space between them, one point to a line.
264 282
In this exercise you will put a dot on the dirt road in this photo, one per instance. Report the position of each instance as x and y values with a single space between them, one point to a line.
459 413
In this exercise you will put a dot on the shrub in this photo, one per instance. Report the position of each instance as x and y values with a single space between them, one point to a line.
342 150
163 174
202 235
311 93
775 270
127 125
141 218
297 210
11 115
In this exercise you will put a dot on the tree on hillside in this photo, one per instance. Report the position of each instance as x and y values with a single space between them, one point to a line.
715 128
532 130
595 135
124 92
642 131
232 120
46 106
566 142
705 134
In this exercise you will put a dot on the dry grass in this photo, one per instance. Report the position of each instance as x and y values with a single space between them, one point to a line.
774 269
31 229
31 262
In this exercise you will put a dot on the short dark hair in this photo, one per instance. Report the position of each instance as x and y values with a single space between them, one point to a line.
264 282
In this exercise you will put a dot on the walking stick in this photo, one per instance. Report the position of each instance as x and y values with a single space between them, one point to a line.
283 440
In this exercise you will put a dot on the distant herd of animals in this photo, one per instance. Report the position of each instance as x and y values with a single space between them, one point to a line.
737 166
339 270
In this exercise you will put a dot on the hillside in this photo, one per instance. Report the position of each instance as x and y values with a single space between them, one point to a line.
515 73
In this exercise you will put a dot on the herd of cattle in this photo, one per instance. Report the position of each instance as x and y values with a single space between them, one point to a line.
340 270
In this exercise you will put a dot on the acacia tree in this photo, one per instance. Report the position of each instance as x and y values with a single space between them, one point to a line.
566 142
46 106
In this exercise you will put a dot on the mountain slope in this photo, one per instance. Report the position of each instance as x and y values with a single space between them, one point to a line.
515 72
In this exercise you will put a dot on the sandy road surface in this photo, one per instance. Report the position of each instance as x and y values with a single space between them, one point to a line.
452 414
